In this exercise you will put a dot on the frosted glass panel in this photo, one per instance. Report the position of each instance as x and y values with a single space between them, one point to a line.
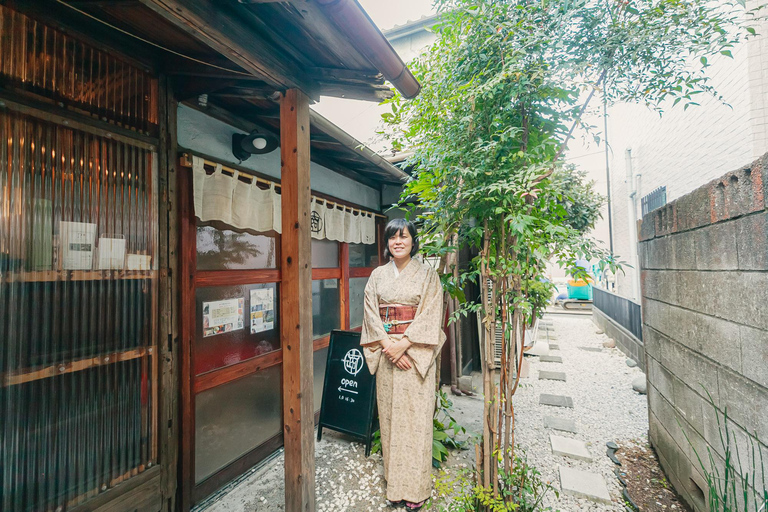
356 300
325 254
325 306
318 367
235 418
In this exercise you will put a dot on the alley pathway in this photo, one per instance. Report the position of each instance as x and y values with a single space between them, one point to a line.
577 397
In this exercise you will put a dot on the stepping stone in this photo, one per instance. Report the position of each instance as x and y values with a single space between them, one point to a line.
583 484
567 447
562 424
591 349
545 375
551 359
556 400
554 346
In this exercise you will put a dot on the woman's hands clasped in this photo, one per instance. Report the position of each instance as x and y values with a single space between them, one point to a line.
395 352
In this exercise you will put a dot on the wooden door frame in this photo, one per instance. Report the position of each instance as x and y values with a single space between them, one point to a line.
190 384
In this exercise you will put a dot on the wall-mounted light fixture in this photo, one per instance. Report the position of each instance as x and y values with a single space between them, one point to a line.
255 143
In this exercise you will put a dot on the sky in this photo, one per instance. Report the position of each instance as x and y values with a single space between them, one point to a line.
361 118
388 13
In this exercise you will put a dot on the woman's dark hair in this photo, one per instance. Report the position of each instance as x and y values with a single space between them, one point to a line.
397 226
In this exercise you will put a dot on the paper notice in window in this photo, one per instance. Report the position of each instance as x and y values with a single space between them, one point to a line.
77 245
262 310
111 253
222 316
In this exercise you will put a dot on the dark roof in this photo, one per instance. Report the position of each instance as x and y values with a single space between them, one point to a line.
242 54
323 47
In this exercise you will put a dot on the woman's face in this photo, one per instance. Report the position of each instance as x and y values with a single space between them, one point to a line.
400 244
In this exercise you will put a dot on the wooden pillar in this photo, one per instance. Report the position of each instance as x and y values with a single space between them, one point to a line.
296 304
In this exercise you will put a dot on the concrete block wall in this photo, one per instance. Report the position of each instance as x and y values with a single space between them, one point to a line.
704 277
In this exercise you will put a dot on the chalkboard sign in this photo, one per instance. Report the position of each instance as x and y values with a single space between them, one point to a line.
349 391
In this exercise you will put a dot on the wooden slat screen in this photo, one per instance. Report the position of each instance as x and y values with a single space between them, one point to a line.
78 365
46 62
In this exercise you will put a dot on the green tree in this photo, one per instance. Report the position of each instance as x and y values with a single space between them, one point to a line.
502 89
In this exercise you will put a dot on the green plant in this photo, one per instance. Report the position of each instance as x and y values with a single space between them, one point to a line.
445 432
501 97
521 490
728 486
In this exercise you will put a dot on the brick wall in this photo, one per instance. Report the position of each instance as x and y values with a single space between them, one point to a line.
704 276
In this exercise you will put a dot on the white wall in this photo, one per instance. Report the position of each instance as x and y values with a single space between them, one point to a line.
682 150
203 134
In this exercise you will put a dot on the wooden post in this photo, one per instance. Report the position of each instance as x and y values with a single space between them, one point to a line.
296 304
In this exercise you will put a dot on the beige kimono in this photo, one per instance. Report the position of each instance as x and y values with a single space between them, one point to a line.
406 398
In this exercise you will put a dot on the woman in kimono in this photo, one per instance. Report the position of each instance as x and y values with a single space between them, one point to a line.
401 337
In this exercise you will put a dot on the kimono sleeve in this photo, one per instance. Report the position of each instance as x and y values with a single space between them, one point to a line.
425 332
373 328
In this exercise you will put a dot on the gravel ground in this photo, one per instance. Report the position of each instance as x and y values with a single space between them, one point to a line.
605 409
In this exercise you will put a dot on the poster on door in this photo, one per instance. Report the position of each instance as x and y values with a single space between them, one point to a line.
262 310
222 316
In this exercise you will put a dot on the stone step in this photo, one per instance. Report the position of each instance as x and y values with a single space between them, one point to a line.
551 359
554 346
568 447
562 424
545 375
556 400
591 349
583 484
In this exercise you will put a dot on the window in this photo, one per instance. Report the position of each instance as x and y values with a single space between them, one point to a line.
363 255
356 300
225 249
325 254
231 343
326 314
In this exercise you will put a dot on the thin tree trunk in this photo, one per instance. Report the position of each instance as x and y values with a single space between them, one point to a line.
485 451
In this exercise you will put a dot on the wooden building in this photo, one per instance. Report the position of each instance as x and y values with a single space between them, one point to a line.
154 345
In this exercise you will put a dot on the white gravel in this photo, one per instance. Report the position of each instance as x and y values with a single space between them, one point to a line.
605 409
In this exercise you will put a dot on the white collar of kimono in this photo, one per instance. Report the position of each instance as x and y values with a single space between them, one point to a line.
396 270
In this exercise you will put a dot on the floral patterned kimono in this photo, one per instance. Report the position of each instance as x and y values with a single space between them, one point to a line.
406 398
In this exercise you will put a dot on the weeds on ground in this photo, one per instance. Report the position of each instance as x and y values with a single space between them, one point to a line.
445 432
522 490
725 486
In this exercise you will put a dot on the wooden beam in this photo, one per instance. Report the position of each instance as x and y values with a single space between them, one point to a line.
372 77
168 294
76 120
356 91
214 25
344 284
262 92
192 87
296 304
188 259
